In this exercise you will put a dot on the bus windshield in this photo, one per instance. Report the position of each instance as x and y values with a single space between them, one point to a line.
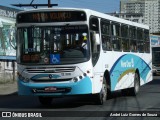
53 45
156 55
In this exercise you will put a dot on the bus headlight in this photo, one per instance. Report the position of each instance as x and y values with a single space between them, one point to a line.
23 78
26 80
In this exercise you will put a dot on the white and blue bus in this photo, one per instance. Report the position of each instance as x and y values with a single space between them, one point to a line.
70 51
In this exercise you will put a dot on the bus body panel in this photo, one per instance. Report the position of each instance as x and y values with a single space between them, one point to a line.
122 68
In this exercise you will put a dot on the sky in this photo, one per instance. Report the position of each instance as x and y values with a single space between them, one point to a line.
105 6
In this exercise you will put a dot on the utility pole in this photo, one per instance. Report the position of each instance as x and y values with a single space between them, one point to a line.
35 5
49 3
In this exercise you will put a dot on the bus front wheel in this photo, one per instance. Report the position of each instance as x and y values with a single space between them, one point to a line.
45 100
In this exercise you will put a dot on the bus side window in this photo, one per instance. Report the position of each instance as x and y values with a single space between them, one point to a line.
106 44
116 40
146 41
125 37
140 40
133 38
105 32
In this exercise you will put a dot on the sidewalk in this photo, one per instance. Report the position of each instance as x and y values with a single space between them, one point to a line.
8 88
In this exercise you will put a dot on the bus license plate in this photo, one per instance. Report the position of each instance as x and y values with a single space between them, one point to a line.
50 89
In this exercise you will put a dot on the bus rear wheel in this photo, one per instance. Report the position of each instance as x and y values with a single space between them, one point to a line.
134 91
45 100
102 96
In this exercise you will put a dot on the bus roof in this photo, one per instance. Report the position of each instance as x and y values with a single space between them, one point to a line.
91 12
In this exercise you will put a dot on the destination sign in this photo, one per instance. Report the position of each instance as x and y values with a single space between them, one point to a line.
51 16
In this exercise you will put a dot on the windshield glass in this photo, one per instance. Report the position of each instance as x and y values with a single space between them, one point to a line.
53 45
156 55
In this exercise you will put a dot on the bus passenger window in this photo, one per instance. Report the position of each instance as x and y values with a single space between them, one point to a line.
125 37
133 46
116 40
105 31
106 44
116 43
146 41
133 38
140 41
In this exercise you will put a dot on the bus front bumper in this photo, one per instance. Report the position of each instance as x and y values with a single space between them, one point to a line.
84 86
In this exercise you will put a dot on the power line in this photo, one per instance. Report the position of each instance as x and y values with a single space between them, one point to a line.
35 5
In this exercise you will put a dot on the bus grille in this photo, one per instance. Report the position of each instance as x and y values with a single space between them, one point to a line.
50 69
51 80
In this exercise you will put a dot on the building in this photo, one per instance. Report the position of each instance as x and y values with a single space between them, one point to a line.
135 17
7 24
7 33
152 17
149 10
132 6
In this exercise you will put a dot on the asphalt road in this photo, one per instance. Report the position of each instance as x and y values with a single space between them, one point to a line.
148 99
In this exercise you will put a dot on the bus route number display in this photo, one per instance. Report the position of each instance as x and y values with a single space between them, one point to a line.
56 16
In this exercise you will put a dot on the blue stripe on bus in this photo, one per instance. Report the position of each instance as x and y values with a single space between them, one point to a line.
126 62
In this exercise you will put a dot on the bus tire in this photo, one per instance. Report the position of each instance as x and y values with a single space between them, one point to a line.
102 96
45 100
134 91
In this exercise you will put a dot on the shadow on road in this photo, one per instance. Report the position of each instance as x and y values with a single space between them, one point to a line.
155 82
13 101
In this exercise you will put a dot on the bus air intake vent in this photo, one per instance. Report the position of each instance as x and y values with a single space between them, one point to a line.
50 69
51 80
